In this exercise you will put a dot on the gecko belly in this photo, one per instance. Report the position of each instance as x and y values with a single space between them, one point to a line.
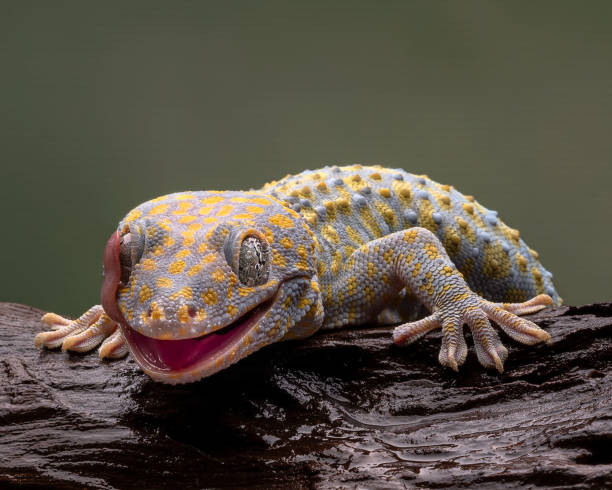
176 355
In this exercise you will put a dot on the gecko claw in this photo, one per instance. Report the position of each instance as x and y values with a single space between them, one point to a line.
499 365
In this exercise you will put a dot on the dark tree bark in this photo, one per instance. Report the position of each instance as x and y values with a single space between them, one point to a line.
345 408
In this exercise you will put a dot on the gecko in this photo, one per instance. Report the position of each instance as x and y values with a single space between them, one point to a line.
195 281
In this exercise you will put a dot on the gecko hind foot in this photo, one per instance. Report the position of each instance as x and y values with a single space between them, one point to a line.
83 334
477 312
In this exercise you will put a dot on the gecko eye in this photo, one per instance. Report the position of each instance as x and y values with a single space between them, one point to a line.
253 261
129 255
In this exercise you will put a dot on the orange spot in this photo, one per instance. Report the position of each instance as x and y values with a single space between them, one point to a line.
182 207
218 275
194 270
185 292
183 253
281 220
183 314
159 209
210 297
286 242
225 210
156 312
330 234
208 258
245 291
132 215
278 259
145 293
164 282
468 208
186 219
147 264
212 200
164 224
176 267
255 200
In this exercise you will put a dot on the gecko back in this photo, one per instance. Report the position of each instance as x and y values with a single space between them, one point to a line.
349 206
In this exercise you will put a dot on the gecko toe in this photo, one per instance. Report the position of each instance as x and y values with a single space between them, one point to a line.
520 329
490 351
453 351
533 305
114 347
92 336
411 332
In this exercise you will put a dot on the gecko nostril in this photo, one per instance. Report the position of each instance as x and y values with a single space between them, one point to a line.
149 312
191 311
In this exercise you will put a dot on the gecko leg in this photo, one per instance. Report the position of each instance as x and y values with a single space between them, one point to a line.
416 260
83 334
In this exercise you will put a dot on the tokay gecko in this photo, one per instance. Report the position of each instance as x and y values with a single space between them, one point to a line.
195 281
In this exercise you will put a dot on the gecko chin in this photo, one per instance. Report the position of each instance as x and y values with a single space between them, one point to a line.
185 360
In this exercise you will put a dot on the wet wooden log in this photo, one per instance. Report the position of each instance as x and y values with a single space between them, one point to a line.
341 409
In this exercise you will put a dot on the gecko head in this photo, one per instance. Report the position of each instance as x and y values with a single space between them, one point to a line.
200 280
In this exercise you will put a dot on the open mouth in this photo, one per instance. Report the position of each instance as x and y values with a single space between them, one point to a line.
176 355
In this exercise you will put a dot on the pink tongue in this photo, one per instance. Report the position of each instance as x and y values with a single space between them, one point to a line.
174 355
112 273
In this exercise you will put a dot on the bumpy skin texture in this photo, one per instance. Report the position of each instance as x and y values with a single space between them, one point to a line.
340 245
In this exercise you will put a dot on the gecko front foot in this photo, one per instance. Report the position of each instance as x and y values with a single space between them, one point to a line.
471 309
83 334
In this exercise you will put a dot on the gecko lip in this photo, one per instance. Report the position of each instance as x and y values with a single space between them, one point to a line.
165 356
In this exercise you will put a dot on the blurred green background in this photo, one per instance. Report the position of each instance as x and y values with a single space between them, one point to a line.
106 104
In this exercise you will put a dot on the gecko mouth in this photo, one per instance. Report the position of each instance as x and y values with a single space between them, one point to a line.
177 355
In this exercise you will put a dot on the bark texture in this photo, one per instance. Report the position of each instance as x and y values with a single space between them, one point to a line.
345 408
